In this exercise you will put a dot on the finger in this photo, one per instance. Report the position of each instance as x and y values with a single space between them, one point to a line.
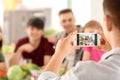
76 47
59 41
100 33
70 36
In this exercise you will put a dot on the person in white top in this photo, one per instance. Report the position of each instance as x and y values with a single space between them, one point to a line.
109 66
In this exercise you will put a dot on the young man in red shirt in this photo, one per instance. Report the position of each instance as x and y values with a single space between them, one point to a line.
34 46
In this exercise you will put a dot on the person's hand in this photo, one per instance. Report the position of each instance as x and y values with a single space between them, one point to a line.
65 46
104 46
27 48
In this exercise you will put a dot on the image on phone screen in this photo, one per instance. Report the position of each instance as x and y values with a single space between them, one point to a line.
86 39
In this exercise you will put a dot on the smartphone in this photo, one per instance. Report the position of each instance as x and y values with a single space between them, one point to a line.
86 39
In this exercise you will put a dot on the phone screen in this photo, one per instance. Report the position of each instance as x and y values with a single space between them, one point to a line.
86 39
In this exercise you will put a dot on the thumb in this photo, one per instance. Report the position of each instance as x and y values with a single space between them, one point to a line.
70 36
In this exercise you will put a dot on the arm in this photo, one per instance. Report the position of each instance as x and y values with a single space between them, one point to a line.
86 56
54 39
55 63
48 52
3 66
46 59
83 70
61 52
16 57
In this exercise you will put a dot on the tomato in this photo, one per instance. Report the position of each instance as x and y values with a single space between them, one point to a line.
3 74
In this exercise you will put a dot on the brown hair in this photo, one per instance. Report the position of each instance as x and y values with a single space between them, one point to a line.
65 11
113 8
93 24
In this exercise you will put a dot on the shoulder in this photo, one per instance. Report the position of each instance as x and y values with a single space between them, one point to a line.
45 42
43 39
60 35
22 41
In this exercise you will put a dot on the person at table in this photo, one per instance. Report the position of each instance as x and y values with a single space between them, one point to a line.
3 66
35 46
67 22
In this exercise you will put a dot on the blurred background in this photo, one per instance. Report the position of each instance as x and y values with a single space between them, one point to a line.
15 13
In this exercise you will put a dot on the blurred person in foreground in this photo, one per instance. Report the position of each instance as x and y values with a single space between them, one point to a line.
106 69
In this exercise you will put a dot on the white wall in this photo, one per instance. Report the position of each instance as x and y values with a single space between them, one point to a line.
86 10
82 11
97 10
55 5
1 13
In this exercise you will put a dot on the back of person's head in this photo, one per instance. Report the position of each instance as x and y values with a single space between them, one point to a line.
112 9
36 22
92 25
64 11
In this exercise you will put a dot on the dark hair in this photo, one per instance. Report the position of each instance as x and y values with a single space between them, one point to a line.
65 11
1 43
113 8
36 22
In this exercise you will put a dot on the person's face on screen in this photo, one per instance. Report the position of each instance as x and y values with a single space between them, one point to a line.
67 21
34 33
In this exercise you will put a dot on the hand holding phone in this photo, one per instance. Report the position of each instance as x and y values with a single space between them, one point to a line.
97 41
104 44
